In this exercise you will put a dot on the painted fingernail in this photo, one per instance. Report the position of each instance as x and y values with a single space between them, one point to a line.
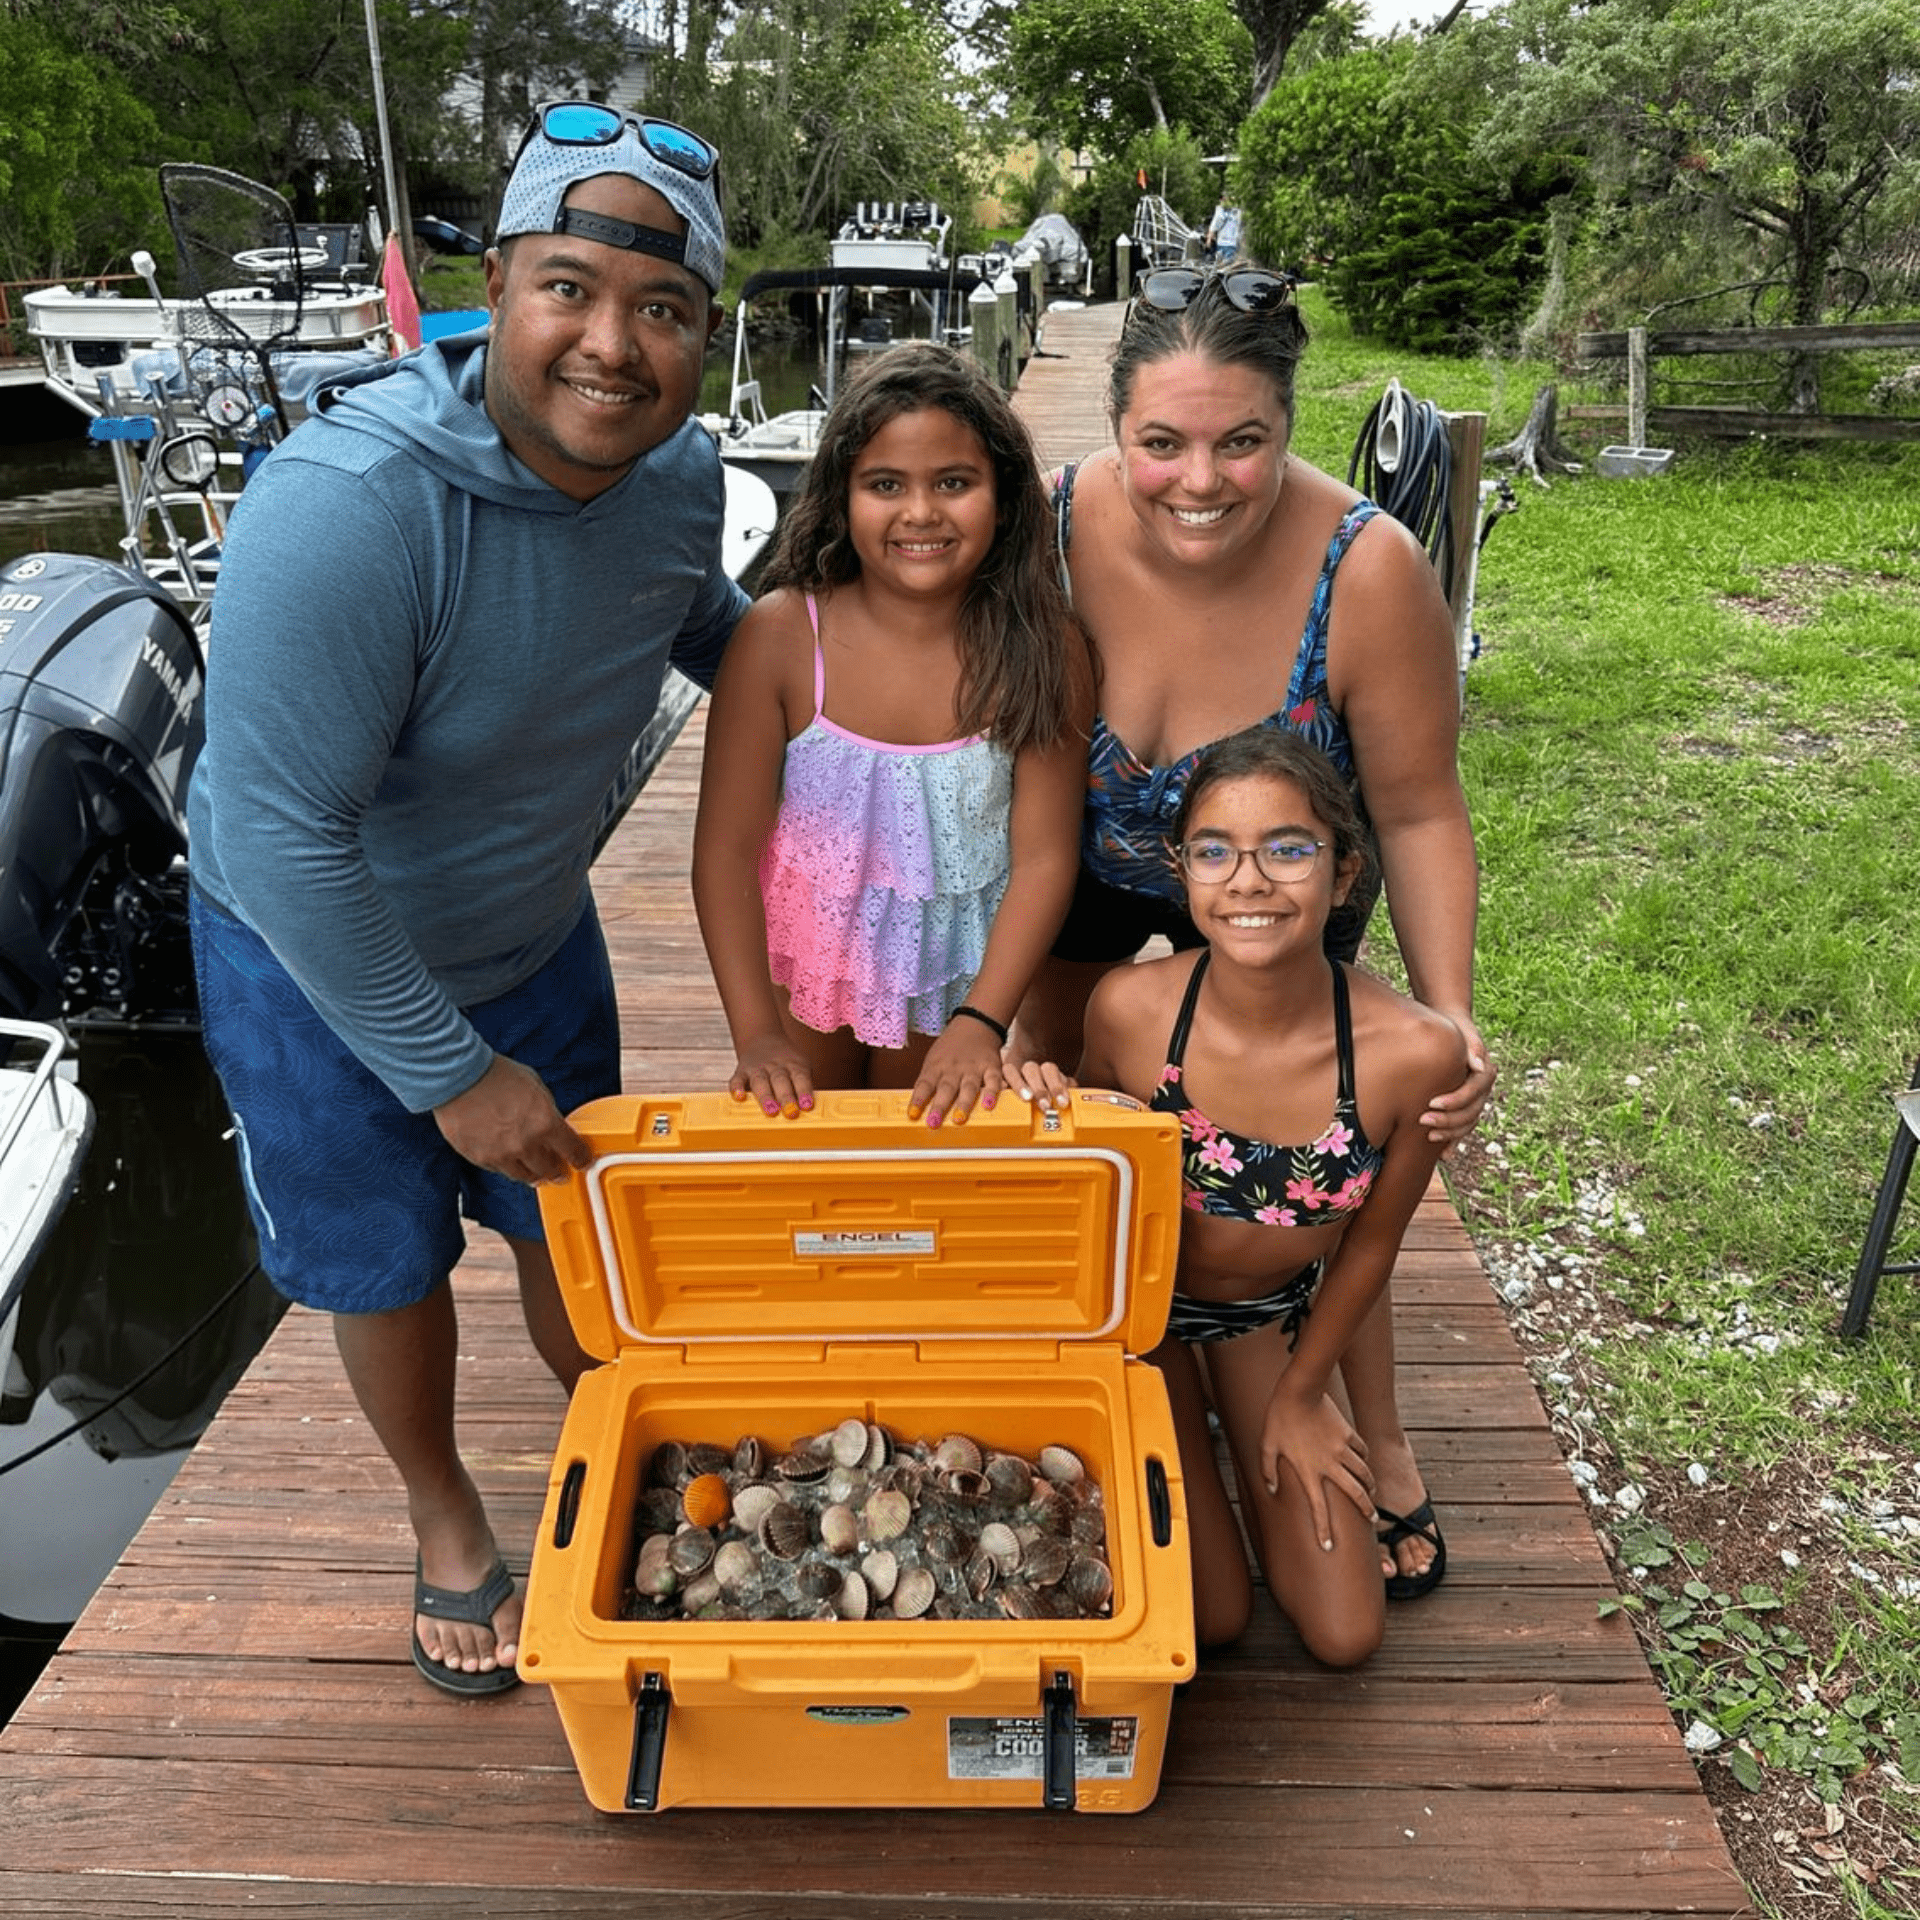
933 1119
1026 1093
790 1112
914 1113
1326 1546
771 1109
806 1105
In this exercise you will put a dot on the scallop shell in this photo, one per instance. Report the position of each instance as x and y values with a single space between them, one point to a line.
749 1458
1001 1544
1010 1477
881 1571
706 1501
887 1514
914 1594
1089 1525
816 1580
1017 1603
653 1574
1046 1559
972 1489
751 1505
703 1457
848 1443
804 1464
980 1573
690 1551
1062 1465
657 1511
668 1467
784 1532
853 1601
839 1529
880 1448
1089 1583
734 1563
956 1454
700 1593
942 1542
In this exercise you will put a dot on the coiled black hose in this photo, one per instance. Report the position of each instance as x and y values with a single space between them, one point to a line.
1404 462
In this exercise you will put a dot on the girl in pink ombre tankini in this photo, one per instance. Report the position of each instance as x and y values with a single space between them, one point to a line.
885 870
895 762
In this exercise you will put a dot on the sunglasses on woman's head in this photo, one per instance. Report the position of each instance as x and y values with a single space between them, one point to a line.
1250 289
584 123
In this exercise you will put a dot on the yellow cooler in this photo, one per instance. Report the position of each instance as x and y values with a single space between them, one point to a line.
756 1286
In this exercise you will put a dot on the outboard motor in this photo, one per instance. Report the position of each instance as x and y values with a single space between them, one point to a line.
101 676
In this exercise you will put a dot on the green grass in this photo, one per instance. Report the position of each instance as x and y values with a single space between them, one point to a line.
1692 751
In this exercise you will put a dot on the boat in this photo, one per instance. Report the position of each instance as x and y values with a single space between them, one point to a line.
102 659
888 277
45 1125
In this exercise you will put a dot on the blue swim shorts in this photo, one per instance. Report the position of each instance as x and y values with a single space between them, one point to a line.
357 1202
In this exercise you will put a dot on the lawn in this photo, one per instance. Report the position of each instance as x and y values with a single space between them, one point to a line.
1692 751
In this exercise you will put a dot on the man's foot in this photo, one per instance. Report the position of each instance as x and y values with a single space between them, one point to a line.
1419 1534
464 1639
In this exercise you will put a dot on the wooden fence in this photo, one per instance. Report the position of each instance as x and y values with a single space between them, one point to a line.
1640 348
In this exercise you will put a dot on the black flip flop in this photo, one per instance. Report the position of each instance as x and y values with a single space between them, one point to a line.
1417 1525
476 1606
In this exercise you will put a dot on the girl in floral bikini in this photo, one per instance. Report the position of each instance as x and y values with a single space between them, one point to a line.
1259 1038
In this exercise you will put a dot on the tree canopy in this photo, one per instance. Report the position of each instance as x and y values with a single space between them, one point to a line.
1097 72
1785 133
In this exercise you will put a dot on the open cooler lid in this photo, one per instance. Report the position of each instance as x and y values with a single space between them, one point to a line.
702 1222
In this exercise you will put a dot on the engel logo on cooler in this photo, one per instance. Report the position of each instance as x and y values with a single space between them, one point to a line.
839 1242
28 570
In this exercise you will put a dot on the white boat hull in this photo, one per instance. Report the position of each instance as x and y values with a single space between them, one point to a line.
45 1124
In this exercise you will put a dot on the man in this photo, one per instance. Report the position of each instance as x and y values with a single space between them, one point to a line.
1223 234
445 610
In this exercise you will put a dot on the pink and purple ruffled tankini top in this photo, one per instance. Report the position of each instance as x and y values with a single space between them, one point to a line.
885 869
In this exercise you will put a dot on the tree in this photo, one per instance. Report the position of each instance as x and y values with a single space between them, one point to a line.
1275 26
817 104
75 173
1794 125
1362 168
1096 72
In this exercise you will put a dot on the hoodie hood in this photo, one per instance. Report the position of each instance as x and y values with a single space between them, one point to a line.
431 404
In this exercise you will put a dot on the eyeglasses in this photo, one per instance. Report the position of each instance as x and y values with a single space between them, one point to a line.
1251 289
1286 859
585 123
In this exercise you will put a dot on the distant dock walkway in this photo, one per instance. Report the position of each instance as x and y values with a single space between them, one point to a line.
234 1726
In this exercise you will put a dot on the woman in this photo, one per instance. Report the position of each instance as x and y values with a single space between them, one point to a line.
1202 558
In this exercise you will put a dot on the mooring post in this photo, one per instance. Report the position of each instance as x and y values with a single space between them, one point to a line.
1466 437
1636 386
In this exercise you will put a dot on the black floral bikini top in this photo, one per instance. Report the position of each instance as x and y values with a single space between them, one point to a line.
1234 1178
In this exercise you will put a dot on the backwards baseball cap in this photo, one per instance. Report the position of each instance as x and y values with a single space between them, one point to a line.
574 140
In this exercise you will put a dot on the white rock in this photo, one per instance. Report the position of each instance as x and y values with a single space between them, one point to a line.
1701 1738
1698 1474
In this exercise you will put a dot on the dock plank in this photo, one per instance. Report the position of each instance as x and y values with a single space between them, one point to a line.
234 1724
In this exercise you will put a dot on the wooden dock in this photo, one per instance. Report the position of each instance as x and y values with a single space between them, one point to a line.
235 1725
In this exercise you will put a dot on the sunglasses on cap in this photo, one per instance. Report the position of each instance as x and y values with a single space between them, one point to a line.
1250 289
583 123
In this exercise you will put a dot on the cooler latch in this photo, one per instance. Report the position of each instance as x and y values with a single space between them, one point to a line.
1059 1785
649 1744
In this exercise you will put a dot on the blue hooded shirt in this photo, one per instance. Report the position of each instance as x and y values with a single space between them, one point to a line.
425 667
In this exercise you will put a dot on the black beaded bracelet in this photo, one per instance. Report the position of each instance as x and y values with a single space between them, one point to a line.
985 1019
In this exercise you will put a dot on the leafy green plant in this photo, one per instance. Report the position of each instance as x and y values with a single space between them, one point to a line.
1731 1664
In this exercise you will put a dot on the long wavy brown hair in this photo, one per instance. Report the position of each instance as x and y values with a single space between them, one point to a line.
1015 678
